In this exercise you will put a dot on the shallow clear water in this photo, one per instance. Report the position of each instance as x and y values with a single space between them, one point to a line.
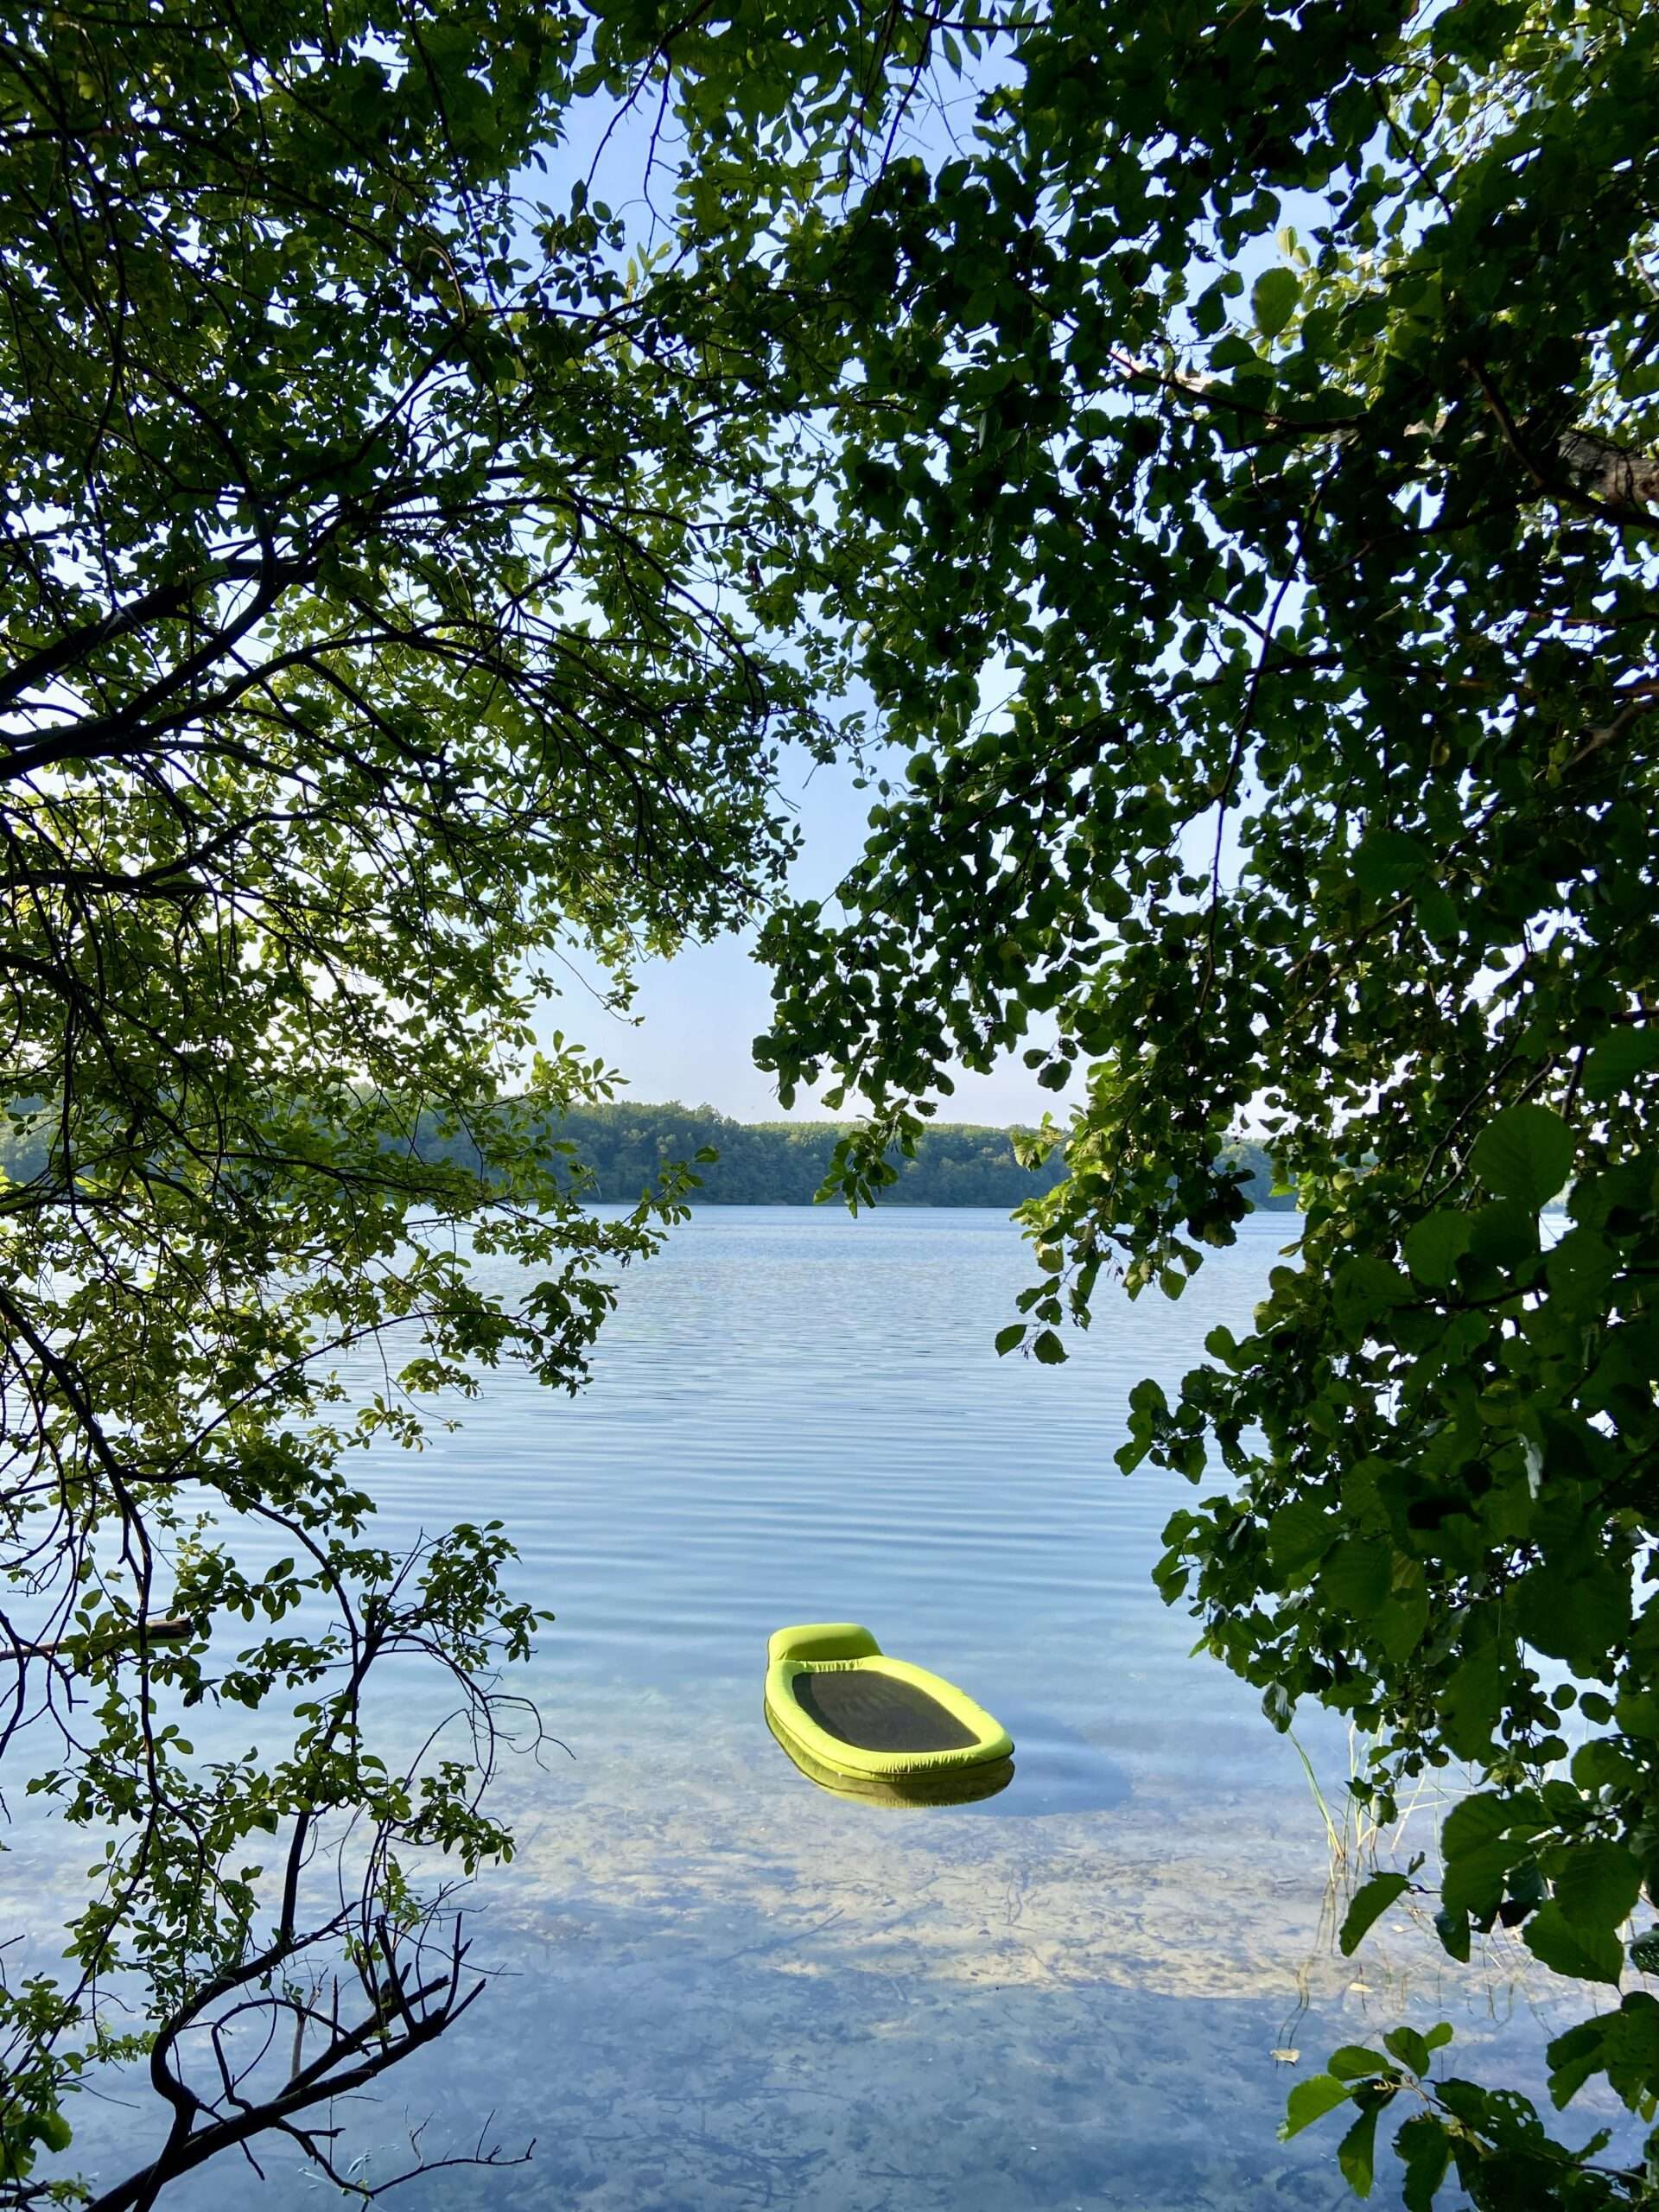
723 1987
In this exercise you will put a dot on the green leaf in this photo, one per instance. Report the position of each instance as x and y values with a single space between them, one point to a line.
1425 2146
1475 1822
1574 2058
1600 1765
1355 1577
1273 300
1300 1532
1637 1713
1365 1290
1591 1953
1310 2100
1471 1700
1452 1928
1524 1152
53 2129
1434 1245
1619 1062
1473 1884
1409 2048
1401 1622
1008 1338
1354 2062
1438 912
1357 2152
1368 1905
1577 1611
1387 861
1503 1234
1596 1884
1047 1349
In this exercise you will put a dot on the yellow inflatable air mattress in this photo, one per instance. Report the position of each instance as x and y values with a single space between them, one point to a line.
856 1720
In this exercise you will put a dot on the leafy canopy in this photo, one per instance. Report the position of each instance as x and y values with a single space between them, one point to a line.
374 631
398 586
1263 507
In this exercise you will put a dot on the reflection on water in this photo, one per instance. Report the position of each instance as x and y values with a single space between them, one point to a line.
720 1988
1061 1771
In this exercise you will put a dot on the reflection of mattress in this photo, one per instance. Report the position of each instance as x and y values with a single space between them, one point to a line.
834 1697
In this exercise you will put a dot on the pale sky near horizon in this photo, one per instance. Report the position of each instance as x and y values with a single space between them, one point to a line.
698 1014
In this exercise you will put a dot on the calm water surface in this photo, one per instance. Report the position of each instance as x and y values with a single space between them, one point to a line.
723 1987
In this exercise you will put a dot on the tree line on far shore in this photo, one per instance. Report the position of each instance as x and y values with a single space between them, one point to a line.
625 1148
784 1163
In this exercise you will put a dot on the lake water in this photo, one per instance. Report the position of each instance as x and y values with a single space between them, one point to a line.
723 1988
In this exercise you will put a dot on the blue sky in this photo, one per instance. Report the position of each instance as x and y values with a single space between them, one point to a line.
696 1016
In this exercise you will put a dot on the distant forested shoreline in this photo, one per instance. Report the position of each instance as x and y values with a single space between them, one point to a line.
784 1163
759 1164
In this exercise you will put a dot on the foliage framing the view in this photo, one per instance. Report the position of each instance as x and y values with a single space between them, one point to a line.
1263 500
384 588
373 599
